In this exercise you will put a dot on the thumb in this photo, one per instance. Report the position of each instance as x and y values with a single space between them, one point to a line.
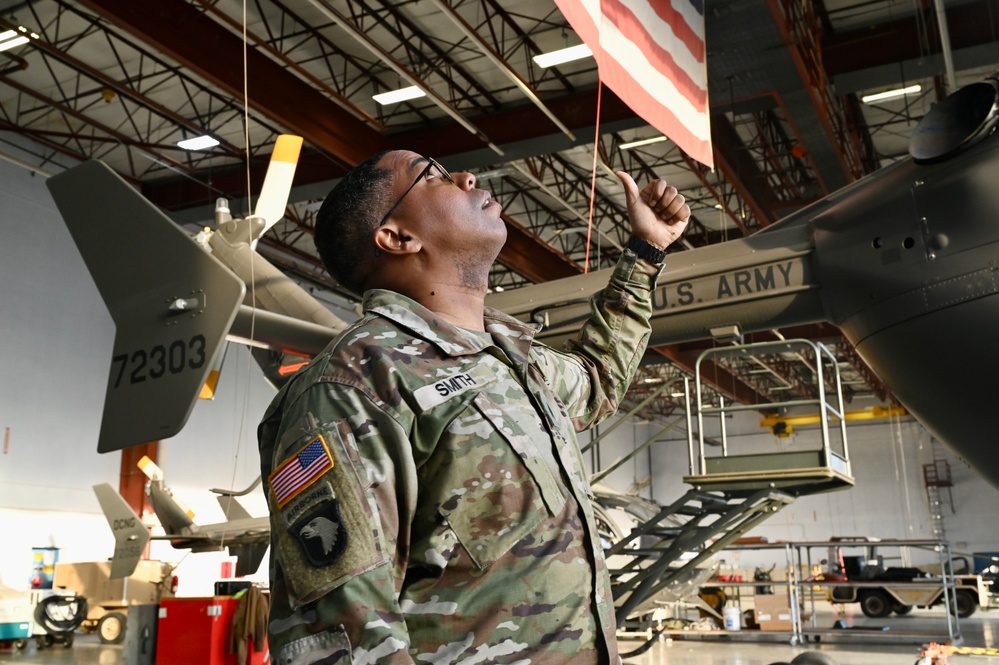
630 187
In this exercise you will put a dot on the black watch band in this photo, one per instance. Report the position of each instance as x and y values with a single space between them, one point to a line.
647 251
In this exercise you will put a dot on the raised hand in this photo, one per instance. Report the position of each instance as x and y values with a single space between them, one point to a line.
658 213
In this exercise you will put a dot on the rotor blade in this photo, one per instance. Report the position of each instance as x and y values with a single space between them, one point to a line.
277 183
150 469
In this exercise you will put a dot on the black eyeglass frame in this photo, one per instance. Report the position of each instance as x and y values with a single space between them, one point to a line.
431 163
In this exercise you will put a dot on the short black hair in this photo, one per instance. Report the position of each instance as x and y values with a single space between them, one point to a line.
347 219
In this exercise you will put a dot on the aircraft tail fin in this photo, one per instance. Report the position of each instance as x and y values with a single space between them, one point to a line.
130 536
233 509
170 323
248 557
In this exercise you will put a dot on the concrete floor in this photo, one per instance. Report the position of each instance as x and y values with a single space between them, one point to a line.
745 653
864 644
900 645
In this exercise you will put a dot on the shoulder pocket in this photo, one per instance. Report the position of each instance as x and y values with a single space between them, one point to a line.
325 527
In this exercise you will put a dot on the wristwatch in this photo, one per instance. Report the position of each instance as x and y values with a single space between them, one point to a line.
646 250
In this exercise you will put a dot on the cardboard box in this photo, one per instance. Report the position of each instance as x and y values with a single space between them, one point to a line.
772 612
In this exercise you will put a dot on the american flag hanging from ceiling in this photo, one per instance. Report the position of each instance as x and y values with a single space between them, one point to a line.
651 54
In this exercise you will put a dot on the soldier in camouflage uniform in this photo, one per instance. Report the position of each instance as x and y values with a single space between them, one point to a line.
428 499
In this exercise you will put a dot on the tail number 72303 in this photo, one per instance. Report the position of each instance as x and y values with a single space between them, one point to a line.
160 360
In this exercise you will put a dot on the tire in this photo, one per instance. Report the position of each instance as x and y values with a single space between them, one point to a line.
875 603
67 640
111 628
901 610
966 603
813 658
21 644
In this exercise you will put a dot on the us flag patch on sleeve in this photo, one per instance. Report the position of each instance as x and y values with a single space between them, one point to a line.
296 474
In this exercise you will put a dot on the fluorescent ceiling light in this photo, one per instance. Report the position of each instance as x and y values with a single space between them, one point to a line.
198 143
636 144
11 43
11 39
563 55
891 94
400 95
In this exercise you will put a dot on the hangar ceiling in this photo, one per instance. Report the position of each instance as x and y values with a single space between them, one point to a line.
123 81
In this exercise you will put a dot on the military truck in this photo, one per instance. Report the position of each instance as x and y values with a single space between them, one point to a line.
898 590
108 599
882 591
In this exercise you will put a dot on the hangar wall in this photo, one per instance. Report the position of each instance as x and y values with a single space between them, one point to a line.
57 335
889 500
52 374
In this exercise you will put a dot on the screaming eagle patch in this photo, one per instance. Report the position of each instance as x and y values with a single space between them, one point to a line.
321 534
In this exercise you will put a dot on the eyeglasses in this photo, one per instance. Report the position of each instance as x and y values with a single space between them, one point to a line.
431 163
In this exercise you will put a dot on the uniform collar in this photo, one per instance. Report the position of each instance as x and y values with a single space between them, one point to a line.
512 335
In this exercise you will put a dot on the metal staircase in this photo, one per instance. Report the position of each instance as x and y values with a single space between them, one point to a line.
665 556
649 561
936 478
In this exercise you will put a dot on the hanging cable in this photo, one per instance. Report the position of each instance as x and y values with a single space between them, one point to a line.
593 179
895 424
240 414
246 118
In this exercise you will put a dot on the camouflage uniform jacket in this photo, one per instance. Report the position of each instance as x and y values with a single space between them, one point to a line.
428 498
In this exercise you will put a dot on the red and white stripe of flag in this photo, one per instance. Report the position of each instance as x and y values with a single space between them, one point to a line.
293 477
651 54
